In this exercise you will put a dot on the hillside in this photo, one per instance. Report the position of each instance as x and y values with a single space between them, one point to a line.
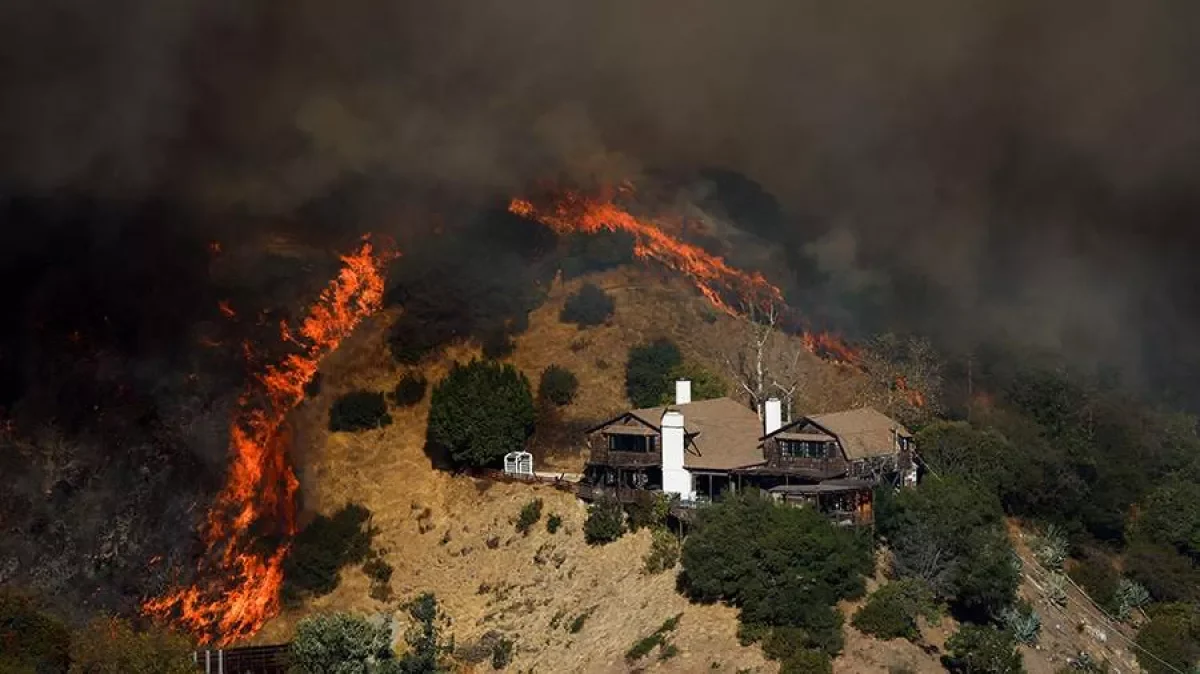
454 535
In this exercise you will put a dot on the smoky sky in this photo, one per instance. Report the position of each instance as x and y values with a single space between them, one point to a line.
974 168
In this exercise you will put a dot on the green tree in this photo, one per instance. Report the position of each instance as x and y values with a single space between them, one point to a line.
783 566
892 611
340 643
359 411
112 646
480 412
1173 635
590 305
975 649
323 547
605 522
1169 575
558 385
426 648
706 384
1171 516
31 640
648 370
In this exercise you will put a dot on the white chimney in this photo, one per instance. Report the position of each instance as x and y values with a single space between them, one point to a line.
772 416
676 479
683 391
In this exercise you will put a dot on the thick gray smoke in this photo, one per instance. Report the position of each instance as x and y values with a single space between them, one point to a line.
1027 162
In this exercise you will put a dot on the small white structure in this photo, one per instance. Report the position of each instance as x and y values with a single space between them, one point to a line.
518 464
683 391
772 416
676 479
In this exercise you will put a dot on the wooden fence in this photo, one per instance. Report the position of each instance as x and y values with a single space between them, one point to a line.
246 660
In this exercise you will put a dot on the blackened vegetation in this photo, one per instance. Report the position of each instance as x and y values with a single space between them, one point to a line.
359 411
411 389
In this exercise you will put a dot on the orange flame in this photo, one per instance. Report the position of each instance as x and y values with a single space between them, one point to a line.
711 274
238 584
226 309
914 396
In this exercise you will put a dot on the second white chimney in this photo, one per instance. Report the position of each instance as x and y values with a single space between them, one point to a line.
772 416
683 391
676 479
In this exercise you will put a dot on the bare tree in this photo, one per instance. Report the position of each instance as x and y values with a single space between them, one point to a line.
763 361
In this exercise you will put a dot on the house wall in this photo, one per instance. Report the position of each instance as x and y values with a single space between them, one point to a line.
777 461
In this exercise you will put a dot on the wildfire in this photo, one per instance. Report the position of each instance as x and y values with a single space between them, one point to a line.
914 396
238 583
572 211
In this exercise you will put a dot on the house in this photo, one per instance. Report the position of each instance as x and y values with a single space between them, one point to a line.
697 450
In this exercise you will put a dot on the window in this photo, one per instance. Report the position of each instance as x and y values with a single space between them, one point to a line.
804 449
619 442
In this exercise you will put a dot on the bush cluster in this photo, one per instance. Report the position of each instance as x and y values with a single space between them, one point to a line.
410 390
588 306
323 548
558 385
891 612
359 411
605 522
663 553
553 522
480 412
531 513
648 372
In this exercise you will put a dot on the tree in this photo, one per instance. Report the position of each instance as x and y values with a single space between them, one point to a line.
1167 574
340 643
31 640
323 547
426 649
1173 635
480 412
1172 516
975 649
648 369
762 362
909 369
359 411
892 611
784 567
588 306
706 384
112 646
558 385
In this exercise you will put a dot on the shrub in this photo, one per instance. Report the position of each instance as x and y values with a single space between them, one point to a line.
1099 579
588 306
596 252
974 649
111 646
359 411
425 645
553 523
410 390
664 552
892 611
480 412
323 547
339 642
642 647
558 385
30 639
531 513
807 661
821 631
814 564
1022 622
648 371
1169 575
1130 595
1172 634
498 344
502 652
605 522
577 623
649 509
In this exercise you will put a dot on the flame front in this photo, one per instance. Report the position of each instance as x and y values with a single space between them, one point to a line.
238 583
572 211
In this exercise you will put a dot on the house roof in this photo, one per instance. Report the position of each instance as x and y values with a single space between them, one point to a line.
725 432
864 432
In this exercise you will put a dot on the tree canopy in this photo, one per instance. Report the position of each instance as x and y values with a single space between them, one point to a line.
648 371
341 643
480 412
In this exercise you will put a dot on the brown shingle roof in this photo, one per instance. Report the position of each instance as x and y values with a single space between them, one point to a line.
726 432
863 432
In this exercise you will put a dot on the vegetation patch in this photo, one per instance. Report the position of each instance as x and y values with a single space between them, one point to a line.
480 412
410 390
892 611
588 306
30 638
577 623
530 515
553 523
982 649
359 411
558 386
605 522
322 548
663 553
659 639
648 372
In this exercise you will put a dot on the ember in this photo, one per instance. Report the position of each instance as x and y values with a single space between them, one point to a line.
237 584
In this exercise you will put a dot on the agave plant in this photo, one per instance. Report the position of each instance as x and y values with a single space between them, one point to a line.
1130 595
1051 548
1023 622
1056 588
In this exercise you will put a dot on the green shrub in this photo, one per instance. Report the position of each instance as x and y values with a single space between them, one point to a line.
480 412
558 385
338 642
706 384
975 649
359 411
410 390
578 622
605 522
649 509
648 371
664 552
892 611
1172 634
323 547
426 648
588 306
1051 547
1130 595
553 523
112 646
1099 579
502 652
531 513
30 639
642 647
807 661
1022 622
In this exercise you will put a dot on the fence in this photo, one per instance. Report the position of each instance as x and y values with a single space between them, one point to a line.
246 660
